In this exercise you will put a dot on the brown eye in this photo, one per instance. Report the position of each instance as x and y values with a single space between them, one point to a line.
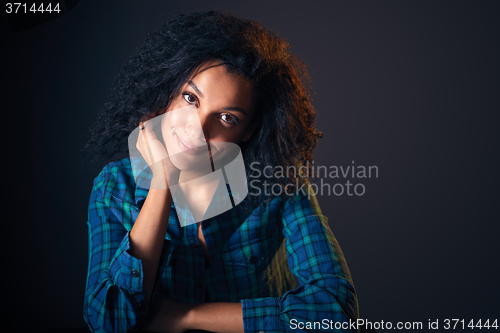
191 99
229 118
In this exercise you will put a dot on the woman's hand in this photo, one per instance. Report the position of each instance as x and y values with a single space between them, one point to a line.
168 315
156 156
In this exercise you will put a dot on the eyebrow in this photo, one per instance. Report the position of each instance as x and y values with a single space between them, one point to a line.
231 108
235 108
191 83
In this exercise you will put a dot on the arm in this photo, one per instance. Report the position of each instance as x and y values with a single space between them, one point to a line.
175 317
148 234
216 317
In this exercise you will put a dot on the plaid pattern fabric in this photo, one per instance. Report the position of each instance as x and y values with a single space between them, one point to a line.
282 261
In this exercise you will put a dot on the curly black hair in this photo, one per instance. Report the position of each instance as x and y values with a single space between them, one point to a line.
284 119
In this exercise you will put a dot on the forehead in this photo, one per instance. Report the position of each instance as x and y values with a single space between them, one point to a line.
214 79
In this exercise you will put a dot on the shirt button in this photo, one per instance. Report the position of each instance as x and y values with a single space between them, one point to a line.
216 252
135 273
253 260
199 283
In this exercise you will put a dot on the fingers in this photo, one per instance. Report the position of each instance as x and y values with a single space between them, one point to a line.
151 148
148 135
155 153
143 143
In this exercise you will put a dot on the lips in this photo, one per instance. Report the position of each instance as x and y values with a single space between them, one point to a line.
189 148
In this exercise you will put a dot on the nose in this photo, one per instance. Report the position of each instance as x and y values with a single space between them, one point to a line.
197 126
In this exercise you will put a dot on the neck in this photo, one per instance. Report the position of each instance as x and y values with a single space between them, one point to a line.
189 175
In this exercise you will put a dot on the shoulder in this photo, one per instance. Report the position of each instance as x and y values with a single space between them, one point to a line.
113 196
290 209
115 179
301 204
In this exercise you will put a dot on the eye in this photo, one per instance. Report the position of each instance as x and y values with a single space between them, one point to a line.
190 98
229 118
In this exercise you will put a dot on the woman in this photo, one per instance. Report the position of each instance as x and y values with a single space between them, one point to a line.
266 264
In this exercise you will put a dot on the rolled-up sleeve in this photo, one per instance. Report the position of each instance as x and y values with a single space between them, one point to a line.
115 300
326 300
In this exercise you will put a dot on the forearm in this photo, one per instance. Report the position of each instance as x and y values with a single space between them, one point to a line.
216 317
148 233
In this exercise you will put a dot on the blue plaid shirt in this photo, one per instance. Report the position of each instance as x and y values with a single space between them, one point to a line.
282 262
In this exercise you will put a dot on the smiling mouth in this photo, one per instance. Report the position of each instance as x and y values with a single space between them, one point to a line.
186 148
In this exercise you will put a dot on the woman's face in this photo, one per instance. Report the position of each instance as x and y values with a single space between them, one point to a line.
208 118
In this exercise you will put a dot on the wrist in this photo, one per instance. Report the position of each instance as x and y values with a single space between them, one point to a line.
190 317
159 182
163 175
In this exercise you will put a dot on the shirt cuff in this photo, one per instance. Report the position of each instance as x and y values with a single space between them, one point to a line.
261 315
125 269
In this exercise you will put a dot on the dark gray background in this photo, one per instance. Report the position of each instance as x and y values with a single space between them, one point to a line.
409 86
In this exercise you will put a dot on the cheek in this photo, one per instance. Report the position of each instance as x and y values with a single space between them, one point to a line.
230 135
175 117
179 117
166 133
170 121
